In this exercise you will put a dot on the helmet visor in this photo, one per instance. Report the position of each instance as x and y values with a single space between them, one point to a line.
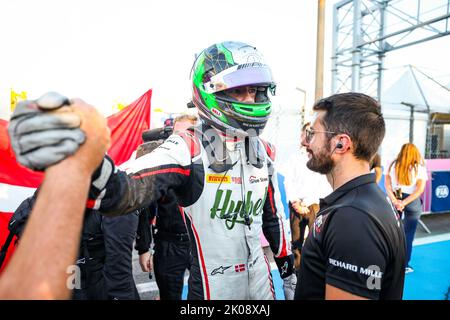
240 75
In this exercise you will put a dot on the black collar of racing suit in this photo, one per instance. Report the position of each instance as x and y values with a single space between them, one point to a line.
216 150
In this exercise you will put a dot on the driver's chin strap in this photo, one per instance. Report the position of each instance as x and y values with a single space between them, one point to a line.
254 152
217 153
215 148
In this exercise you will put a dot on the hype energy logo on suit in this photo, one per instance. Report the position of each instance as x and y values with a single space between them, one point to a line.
217 178
232 211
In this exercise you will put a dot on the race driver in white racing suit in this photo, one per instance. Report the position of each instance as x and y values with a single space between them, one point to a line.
223 176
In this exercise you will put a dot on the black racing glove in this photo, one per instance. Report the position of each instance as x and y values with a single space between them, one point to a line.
286 268
285 265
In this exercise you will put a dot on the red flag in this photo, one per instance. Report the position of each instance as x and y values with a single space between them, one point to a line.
18 182
127 126
126 135
11 172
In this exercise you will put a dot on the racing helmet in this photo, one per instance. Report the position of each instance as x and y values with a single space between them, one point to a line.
225 66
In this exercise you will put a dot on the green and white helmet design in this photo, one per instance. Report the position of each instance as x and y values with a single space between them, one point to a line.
229 65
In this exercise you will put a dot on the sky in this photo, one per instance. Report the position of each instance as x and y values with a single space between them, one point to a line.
103 51
113 51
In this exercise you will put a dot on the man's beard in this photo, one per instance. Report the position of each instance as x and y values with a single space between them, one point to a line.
321 162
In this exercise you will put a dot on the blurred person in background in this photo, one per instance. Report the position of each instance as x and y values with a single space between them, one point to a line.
405 182
105 253
375 167
171 253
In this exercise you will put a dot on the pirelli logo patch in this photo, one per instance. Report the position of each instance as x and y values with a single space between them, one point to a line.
217 178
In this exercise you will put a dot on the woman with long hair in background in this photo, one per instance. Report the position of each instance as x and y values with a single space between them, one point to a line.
405 183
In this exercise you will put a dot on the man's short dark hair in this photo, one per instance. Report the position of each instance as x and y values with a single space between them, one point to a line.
357 115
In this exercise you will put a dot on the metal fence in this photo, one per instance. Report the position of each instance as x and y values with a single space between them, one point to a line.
438 142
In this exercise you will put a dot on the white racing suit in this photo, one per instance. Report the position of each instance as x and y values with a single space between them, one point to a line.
227 202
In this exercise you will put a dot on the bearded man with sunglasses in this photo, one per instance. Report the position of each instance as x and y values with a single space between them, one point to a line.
356 249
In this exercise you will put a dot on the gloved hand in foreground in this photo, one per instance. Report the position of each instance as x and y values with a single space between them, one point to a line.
289 284
45 131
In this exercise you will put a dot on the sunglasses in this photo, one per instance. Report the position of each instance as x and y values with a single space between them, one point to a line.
309 134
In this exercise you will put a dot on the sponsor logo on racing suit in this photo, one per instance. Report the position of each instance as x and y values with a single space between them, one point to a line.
220 270
254 179
234 212
217 178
